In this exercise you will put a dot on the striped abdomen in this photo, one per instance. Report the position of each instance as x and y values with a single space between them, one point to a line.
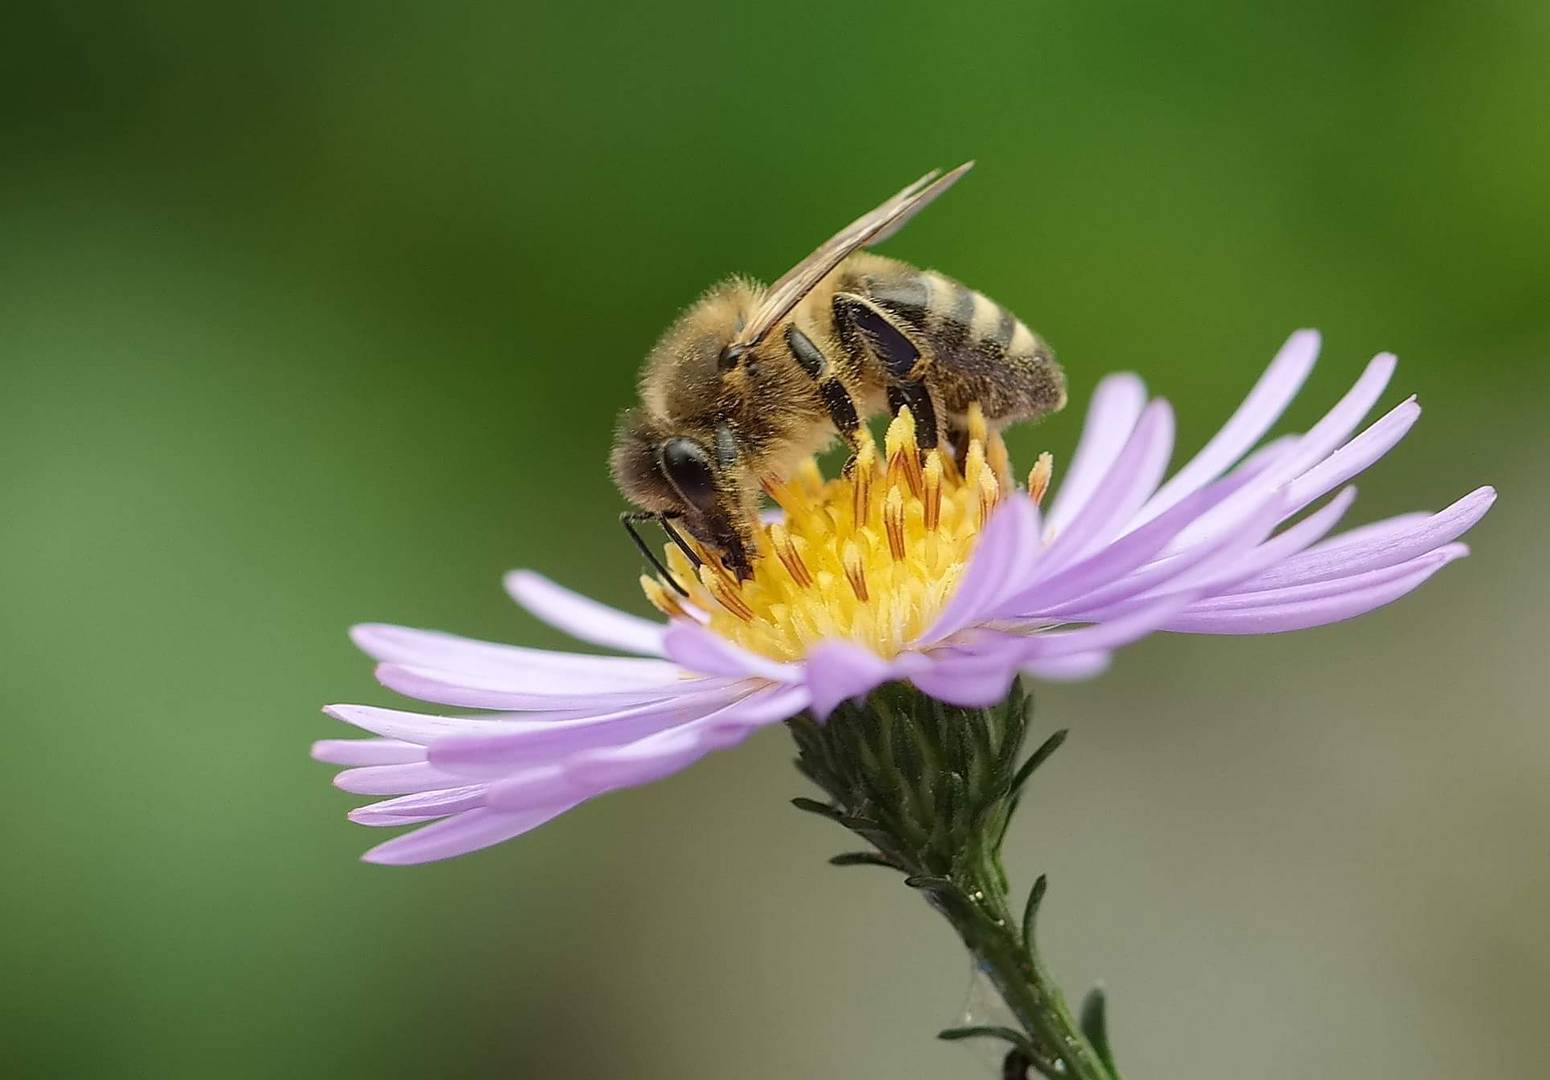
980 351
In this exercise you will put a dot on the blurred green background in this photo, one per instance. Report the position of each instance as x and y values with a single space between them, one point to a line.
319 313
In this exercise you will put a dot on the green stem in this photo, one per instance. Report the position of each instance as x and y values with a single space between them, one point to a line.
983 919
932 787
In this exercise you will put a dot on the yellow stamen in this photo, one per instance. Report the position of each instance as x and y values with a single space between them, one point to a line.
989 495
809 478
661 599
789 556
903 451
870 557
724 590
974 465
855 570
931 498
1039 477
893 521
861 499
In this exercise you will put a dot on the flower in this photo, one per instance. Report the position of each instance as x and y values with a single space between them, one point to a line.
907 568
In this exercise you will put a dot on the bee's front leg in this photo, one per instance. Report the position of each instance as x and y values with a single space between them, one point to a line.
903 361
836 398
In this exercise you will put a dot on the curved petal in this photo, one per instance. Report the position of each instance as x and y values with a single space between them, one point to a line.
539 670
1263 407
394 779
1072 668
1301 615
500 752
366 752
459 835
486 692
1308 450
1112 416
1184 571
1357 455
838 671
1122 556
700 650
410 727
1317 590
421 806
1103 636
969 681
593 772
582 617
667 753
1281 546
999 567
1131 479
1374 548
1337 424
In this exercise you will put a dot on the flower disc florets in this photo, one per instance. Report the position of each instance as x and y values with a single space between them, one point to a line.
870 557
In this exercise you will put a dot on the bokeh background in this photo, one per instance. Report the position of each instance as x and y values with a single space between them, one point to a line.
315 313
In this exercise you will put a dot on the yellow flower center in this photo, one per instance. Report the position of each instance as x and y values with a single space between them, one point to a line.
869 557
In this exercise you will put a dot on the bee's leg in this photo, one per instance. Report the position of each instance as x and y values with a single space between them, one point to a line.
922 408
836 398
958 440
906 366
630 519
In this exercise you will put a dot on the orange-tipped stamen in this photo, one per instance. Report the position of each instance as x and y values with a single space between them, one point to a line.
893 522
855 570
989 495
931 496
904 451
1039 477
790 557
725 592
661 598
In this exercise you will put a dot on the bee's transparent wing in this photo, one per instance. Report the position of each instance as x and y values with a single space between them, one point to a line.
872 228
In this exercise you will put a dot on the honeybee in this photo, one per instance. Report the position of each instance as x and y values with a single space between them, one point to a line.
750 380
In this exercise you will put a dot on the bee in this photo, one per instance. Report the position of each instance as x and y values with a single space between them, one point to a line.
750 380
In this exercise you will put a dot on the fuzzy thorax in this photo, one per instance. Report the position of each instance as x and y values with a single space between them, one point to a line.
870 557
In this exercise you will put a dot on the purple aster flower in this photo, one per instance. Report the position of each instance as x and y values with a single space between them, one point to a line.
942 574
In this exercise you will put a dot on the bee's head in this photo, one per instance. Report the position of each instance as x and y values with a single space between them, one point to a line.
686 477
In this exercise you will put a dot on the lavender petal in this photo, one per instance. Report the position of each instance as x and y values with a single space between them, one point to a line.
582 617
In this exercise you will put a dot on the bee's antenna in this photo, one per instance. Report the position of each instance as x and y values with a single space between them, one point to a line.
628 520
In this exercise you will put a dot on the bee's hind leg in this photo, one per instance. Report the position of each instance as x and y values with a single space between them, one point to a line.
836 398
906 365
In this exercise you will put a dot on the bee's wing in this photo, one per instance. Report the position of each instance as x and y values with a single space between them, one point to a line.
872 228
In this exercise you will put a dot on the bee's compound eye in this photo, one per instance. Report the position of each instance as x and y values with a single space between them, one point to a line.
687 467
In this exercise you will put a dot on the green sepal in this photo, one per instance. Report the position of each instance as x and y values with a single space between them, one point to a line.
1094 1023
862 858
987 1031
1031 910
822 809
1037 758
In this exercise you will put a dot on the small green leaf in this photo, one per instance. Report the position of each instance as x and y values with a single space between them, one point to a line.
928 883
813 806
1016 1038
1037 758
1031 911
856 824
1095 1026
862 858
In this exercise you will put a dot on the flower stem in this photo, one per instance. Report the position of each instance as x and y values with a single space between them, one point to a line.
980 914
932 788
